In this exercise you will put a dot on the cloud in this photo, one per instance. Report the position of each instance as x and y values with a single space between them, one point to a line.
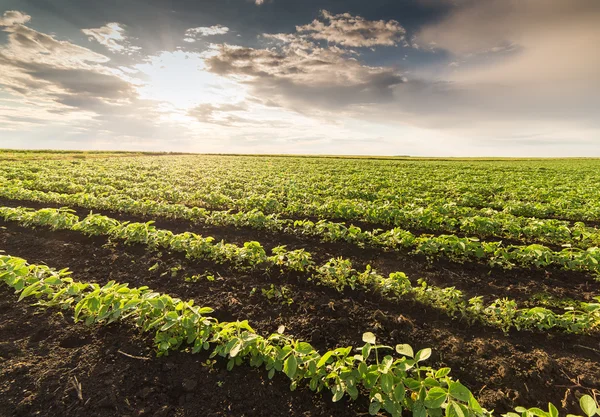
528 42
259 2
500 84
522 63
354 31
13 18
80 81
58 83
298 73
192 34
308 79
112 37
217 113
38 65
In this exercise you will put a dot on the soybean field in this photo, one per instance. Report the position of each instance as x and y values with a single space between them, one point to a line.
222 285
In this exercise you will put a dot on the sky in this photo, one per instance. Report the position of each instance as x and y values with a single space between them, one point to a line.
377 77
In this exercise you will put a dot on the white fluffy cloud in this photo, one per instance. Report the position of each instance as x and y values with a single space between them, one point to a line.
112 37
14 17
192 34
354 31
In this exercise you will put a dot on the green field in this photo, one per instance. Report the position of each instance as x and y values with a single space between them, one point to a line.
388 285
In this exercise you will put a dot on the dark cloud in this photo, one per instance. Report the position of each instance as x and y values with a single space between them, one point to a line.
78 81
38 65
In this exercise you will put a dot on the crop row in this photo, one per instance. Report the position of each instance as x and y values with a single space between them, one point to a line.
445 218
337 273
393 383
452 247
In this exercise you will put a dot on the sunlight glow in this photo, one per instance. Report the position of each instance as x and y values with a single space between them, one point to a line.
181 79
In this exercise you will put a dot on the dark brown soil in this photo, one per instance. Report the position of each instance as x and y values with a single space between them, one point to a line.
41 352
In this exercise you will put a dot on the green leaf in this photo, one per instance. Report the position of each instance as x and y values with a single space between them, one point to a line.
419 409
312 367
369 337
236 349
520 409
30 290
399 392
362 369
204 310
371 379
53 281
366 351
412 384
537 412
442 372
455 409
172 315
338 392
474 405
405 350
304 348
552 410
352 390
374 407
435 397
157 303
324 359
430 382
387 383
459 391
290 366
78 309
423 354
167 325
588 405
386 364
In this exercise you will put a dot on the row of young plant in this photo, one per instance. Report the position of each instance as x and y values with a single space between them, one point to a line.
444 218
393 383
452 247
337 273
